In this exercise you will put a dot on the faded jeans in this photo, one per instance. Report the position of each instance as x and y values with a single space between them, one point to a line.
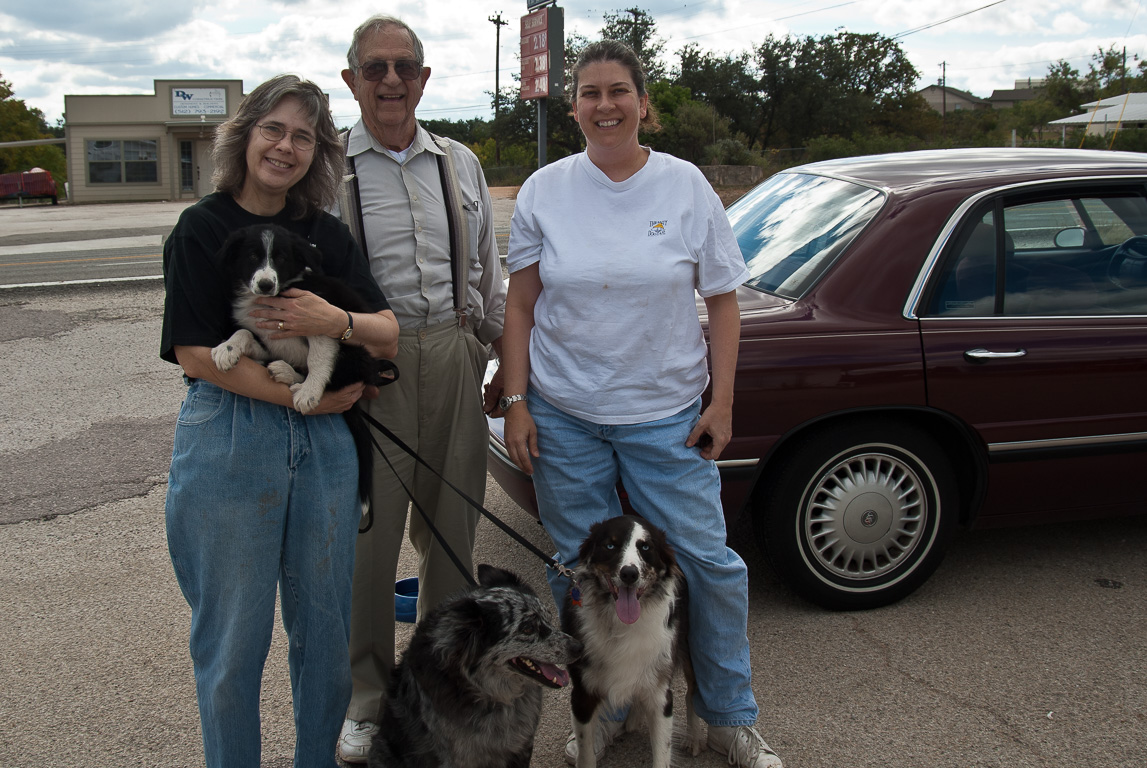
261 497
674 488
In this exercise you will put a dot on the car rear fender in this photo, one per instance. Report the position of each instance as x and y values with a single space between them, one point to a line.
966 451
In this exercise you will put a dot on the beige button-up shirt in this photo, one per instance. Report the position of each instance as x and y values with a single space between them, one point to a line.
408 236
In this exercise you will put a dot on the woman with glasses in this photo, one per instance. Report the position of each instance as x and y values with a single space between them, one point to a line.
260 497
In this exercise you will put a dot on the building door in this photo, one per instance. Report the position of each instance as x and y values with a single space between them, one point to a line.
186 168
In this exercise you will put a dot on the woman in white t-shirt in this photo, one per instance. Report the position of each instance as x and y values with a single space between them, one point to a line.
605 363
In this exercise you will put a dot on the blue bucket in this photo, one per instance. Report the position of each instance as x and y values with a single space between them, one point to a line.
406 599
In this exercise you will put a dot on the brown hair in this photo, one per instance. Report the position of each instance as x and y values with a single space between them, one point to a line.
615 50
316 190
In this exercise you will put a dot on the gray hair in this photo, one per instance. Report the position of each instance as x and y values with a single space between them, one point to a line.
377 23
317 189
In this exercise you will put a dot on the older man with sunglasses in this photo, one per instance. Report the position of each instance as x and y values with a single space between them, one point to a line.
409 221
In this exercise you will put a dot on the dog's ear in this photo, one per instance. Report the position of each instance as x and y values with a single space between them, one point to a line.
472 625
492 576
589 543
310 255
232 245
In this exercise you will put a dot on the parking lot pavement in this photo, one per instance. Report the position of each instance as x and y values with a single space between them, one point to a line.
1025 649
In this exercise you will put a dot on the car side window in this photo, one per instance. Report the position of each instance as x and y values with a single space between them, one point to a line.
1062 256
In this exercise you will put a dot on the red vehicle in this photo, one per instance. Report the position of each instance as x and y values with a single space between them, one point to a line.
36 183
929 340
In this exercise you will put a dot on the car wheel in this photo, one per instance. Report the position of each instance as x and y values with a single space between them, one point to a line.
859 516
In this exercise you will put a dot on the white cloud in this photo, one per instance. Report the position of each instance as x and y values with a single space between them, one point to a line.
121 46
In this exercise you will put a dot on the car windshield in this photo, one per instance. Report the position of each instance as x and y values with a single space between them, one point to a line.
792 227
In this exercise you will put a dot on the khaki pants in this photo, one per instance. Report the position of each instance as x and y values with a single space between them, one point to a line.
435 407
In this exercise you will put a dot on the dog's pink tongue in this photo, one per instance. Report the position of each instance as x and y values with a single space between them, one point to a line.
628 609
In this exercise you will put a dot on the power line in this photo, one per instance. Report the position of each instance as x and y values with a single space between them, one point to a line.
944 21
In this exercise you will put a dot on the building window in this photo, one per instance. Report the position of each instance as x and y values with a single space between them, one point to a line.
123 162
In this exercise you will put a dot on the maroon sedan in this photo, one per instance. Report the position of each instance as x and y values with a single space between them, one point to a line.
931 339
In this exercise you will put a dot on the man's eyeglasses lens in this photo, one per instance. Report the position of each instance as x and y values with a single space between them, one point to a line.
274 133
407 69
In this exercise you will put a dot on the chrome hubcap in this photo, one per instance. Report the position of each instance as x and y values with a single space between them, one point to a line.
865 517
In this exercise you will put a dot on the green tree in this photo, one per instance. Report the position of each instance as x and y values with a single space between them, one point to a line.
727 83
835 85
19 122
637 29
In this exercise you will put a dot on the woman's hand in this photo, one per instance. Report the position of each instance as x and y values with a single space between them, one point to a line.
295 312
713 432
339 400
521 436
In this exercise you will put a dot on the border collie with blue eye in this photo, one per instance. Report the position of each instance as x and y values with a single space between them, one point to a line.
630 612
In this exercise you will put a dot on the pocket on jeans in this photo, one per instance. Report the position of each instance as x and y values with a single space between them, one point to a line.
203 403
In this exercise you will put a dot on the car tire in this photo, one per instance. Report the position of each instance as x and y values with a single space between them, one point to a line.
859 515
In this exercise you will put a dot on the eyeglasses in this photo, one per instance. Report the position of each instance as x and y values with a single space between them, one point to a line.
407 69
303 142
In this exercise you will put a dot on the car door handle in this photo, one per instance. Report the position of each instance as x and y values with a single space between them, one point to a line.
979 353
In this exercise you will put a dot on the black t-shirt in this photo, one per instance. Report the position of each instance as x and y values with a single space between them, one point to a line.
197 309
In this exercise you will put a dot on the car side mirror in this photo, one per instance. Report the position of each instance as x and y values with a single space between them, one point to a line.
1072 237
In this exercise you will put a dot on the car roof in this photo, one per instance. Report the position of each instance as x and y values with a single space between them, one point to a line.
990 166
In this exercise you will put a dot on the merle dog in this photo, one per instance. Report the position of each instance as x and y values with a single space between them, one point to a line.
468 691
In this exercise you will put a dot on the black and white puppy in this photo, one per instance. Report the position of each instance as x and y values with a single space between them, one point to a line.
468 691
265 260
632 621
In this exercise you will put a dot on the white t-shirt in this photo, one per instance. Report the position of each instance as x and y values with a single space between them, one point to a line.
616 336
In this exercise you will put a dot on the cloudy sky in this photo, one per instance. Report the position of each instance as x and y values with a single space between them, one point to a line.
49 49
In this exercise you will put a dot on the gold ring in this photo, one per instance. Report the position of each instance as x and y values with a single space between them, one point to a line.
280 325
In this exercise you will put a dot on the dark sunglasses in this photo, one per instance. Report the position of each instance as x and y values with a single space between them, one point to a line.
407 69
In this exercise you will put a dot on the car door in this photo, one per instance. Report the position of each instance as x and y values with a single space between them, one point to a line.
1035 335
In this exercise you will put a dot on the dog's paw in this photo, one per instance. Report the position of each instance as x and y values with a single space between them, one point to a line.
694 741
226 355
306 398
283 372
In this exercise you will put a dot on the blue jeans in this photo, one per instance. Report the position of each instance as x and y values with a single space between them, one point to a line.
260 496
671 486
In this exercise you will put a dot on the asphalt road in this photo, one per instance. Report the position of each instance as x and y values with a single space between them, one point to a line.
48 244
1025 649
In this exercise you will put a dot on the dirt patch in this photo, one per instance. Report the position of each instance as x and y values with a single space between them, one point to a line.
730 195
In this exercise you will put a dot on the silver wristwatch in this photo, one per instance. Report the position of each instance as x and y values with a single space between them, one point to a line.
505 402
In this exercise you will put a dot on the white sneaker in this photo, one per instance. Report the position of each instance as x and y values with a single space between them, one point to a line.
604 732
744 746
354 742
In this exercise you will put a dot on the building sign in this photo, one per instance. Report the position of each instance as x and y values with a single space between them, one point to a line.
543 54
198 101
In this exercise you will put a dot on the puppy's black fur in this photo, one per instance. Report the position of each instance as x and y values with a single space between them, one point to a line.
467 693
265 260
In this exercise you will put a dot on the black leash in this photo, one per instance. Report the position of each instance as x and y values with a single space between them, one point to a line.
549 561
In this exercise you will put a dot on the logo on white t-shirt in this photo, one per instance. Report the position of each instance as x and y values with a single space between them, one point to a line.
656 229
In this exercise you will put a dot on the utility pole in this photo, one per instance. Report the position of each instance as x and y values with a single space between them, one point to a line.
498 24
943 94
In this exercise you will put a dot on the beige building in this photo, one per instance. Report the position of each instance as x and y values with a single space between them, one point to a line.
146 147
945 100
